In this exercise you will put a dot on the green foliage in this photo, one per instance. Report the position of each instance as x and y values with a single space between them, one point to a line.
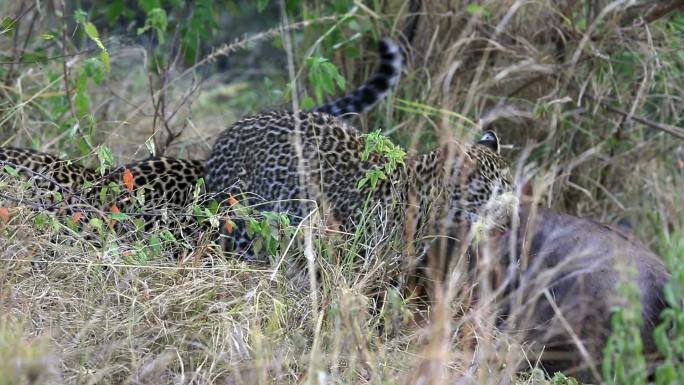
104 155
261 5
669 335
201 26
94 35
273 230
157 21
192 22
93 69
476 9
623 356
323 75
393 155
562 379
7 25
10 170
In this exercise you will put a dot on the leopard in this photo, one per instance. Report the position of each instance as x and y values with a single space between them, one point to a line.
169 183
296 162
157 185
49 174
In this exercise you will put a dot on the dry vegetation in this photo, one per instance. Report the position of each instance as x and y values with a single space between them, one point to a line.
586 96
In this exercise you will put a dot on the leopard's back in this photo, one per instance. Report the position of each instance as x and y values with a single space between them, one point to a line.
288 160
47 170
167 181
141 189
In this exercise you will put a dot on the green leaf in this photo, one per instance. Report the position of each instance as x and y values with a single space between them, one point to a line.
11 170
103 194
271 246
666 374
91 31
96 223
669 294
284 219
362 183
80 16
148 5
214 206
104 56
142 255
253 227
334 74
323 76
156 20
265 231
661 339
93 69
118 216
197 211
81 100
38 56
114 11
40 220
476 9
104 155
261 5
680 54
308 103
168 236
7 24
155 245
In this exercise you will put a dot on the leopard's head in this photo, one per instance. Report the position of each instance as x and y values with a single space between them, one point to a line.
480 184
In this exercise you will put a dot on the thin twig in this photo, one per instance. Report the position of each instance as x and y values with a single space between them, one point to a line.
663 9
668 128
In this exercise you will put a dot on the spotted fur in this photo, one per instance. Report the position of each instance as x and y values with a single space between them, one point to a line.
50 172
167 184
297 161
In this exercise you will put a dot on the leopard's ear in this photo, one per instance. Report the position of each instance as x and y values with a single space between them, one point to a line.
490 140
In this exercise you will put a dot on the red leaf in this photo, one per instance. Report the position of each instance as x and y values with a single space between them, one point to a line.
4 214
76 217
128 179
228 225
115 210
232 201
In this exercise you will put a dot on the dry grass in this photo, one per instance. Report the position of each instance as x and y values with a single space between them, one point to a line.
582 94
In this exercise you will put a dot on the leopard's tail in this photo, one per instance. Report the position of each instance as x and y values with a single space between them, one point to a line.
372 91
